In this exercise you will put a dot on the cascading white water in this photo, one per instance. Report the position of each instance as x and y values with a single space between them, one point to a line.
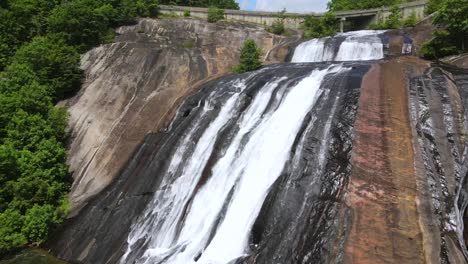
218 216
356 46
314 50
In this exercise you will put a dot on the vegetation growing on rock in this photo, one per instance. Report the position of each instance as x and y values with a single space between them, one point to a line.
215 14
452 36
325 26
277 27
249 57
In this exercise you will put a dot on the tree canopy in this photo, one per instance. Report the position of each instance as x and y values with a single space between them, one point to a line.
40 43
249 57
452 36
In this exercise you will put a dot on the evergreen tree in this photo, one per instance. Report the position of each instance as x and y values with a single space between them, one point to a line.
249 57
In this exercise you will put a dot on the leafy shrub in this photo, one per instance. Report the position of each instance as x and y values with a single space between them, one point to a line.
325 26
54 62
215 14
277 27
411 21
187 13
249 57
452 16
147 8
394 20
433 6
439 46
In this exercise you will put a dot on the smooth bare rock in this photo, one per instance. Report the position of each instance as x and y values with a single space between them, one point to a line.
132 85
457 60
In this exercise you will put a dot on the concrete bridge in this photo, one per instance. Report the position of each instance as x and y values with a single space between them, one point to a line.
360 19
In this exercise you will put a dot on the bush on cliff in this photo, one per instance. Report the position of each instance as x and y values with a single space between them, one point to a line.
249 57
394 20
215 14
277 27
452 36
325 26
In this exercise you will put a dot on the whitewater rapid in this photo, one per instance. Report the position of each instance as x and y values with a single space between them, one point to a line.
355 46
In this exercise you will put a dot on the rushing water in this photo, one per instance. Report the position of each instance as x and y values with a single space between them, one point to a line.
206 217
252 169
351 46
216 218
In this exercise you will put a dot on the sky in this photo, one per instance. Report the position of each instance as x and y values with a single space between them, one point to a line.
298 6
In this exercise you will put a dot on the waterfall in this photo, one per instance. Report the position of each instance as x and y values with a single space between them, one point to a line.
196 220
355 46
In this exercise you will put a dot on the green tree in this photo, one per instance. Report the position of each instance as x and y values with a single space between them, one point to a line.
10 231
54 62
411 21
37 221
147 8
277 26
314 27
249 57
82 20
453 15
433 6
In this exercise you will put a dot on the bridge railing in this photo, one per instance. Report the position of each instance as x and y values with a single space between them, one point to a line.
294 20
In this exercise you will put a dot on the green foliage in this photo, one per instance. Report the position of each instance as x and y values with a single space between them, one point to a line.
339 5
325 26
249 57
453 16
23 20
223 4
394 20
187 13
215 14
440 46
40 41
277 27
411 21
147 8
433 6
54 62
10 230
83 20
453 38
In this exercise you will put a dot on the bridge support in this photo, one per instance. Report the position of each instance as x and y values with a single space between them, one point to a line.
342 20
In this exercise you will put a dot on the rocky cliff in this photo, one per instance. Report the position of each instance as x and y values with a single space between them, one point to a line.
324 162
131 87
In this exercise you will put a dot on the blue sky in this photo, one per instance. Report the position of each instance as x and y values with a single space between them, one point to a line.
300 6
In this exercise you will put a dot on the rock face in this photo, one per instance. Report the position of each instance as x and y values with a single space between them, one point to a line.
367 163
408 166
132 86
377 172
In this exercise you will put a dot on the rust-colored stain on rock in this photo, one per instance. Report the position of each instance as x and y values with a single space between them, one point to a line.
382 192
